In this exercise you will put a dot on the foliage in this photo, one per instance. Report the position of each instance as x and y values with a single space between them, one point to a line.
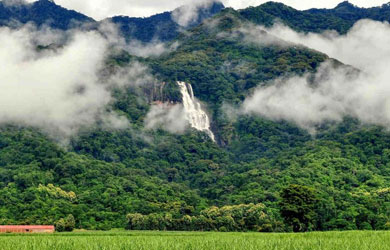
60 225
98 194
340 19
160 27
65 224
106 174
42 12
187 182
69 223
251 217
297 206
222 67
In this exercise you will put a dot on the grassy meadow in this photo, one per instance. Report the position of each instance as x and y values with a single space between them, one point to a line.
358 240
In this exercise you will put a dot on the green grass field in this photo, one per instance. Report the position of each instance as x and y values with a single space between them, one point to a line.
192 240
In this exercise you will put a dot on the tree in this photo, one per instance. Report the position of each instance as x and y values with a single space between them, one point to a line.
60 225
65 225
69 223
297 207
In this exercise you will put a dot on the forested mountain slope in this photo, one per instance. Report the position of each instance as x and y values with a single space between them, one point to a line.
165 26
42 12
161 27
165 180
341 18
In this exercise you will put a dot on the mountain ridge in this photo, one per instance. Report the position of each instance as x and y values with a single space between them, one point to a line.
160 26
42 12
341 18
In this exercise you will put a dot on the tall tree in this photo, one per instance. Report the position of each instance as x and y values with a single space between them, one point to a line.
297 207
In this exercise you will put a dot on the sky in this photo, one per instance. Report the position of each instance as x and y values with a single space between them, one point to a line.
100 9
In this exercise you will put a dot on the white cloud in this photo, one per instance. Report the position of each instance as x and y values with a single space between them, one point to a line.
335 92
168 117
297 100
13 2
365 45
100 9
250 33
60 90
188 14
135 74
134 47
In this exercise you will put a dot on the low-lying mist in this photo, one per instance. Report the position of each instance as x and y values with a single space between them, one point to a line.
53 80
337 91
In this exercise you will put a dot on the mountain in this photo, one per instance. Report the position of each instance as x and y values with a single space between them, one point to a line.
154 179
208 50
162 26
42 12
341 18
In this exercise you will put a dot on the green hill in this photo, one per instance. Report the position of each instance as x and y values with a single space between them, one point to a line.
337 179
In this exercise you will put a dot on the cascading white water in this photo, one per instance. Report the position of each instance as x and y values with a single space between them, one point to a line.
196 116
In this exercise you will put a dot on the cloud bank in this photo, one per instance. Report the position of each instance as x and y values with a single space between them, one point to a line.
336 91
363 47
189 13
111 33
168 117
62 88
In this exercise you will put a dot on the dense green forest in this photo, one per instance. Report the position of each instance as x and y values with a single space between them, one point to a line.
43 13
163 27
260 175
340 19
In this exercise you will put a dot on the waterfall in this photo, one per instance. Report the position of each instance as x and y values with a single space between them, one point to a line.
196 116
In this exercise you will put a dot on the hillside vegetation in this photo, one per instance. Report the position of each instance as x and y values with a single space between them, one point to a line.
261 175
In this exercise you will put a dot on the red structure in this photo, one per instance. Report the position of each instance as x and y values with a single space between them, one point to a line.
27 229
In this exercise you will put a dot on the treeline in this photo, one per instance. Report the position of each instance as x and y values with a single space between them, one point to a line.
251 217
300 209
